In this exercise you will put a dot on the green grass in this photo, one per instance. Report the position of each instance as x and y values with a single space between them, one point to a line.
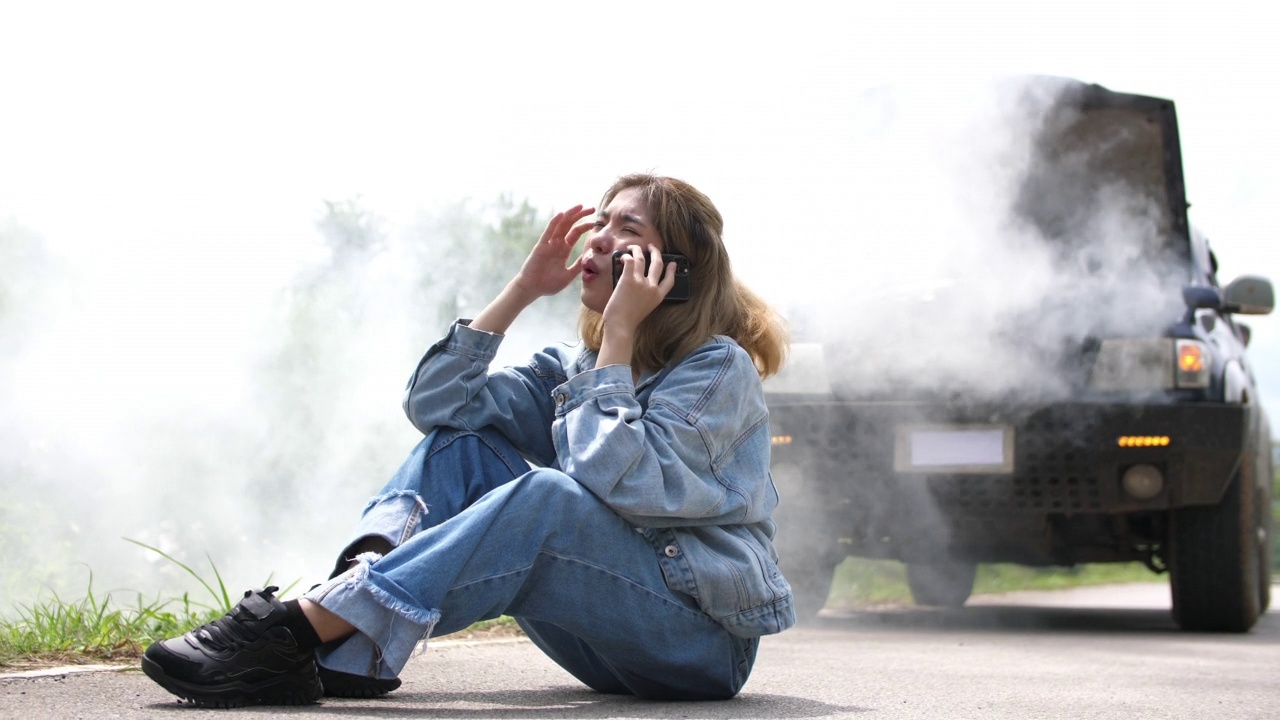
93 628
96 628
860 582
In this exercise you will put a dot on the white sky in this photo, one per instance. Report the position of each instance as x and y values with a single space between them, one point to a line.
173 146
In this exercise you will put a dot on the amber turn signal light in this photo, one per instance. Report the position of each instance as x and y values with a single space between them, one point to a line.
1136 441
1190 358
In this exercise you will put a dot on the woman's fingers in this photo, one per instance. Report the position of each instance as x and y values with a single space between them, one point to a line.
571 238
547 270
640 289
565 229
561 227
650 276
655 265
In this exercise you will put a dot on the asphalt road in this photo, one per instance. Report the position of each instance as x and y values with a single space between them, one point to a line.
1088 653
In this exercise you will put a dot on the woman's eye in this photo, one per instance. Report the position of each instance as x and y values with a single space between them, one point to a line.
630 230
597 224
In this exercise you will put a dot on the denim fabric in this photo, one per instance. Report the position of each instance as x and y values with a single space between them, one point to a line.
500 538
682 455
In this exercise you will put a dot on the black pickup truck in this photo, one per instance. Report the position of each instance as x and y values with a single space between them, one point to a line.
1141 440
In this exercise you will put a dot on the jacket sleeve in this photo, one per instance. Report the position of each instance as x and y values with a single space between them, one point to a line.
699 454
453 387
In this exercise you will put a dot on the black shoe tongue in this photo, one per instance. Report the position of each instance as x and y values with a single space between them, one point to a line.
257 606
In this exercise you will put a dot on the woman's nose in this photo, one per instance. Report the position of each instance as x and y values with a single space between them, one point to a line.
602 244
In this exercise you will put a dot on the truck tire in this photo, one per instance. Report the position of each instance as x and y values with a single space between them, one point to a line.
947 583
1265 540
1215 560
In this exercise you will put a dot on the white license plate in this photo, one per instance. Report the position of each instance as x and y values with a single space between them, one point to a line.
954 449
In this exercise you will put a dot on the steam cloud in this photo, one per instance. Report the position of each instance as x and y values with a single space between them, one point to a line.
242 403
990 239
973 272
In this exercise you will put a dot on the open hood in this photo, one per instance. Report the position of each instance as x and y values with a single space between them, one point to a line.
1097 151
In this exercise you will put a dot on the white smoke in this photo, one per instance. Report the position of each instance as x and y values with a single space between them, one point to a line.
931 278
205 388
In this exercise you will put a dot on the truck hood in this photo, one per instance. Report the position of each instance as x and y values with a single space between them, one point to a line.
1095 144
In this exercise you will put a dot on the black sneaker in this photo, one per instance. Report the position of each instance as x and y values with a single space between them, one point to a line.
346 685
246 657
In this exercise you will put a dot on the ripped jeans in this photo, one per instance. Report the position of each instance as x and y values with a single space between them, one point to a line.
476 534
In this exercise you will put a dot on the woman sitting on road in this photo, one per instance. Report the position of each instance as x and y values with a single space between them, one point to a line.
636 553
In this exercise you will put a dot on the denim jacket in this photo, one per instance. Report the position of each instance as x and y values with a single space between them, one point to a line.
683 455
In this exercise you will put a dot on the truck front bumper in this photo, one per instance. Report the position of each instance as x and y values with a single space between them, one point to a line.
1068 458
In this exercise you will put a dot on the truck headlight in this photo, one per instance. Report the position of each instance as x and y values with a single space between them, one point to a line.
1133 364
1149 364
1192 364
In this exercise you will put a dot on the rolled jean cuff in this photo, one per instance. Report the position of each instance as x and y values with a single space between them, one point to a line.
388 622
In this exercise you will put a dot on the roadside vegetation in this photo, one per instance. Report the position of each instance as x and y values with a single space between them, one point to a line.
99 629
861 582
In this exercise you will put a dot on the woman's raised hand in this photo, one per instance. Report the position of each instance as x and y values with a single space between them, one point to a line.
547 270
544 272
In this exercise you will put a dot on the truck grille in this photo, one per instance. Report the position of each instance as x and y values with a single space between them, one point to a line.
1037 493
1049 477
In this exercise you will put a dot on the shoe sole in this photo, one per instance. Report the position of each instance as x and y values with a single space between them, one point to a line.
285 689
344 685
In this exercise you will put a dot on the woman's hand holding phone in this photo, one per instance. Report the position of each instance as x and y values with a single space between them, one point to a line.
639 289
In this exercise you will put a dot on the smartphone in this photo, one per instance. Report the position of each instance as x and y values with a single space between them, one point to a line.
679 291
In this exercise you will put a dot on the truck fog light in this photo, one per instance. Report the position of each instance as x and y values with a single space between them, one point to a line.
1143 482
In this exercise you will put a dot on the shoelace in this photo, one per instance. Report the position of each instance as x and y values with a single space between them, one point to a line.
230 630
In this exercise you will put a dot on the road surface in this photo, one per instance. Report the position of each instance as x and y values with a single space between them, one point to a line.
1088 653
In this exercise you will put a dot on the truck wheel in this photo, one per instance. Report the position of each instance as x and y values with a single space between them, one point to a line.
941 584
1214 563
1265 543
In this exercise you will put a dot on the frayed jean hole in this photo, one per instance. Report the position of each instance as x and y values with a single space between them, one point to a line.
368 558
396 495
359 573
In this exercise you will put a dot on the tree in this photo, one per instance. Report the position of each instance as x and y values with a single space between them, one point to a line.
475 252
351 328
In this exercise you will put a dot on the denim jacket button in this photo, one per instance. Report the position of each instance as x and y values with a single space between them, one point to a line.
560 399
671 550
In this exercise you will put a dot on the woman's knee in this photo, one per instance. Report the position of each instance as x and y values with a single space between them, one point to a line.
554 488
474 449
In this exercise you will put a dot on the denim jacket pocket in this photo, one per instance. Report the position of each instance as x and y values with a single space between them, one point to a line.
732 576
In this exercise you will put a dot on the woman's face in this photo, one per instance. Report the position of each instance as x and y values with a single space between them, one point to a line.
624 222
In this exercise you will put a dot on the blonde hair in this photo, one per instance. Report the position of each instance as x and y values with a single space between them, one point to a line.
719 304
